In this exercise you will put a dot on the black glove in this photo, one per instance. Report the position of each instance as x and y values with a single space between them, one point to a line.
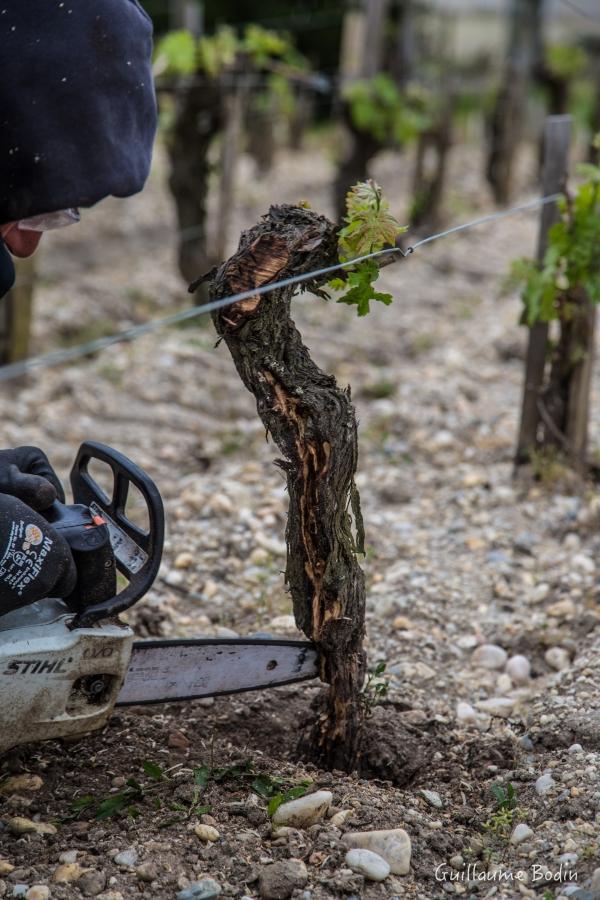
35 560
27 474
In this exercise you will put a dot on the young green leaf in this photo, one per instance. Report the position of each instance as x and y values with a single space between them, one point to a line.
153 770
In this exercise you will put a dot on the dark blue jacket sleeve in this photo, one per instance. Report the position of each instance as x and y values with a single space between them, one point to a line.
77 103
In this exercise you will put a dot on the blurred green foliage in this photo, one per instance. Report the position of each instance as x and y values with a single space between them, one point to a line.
180 53
378 108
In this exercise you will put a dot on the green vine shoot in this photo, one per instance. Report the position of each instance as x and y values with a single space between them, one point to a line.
369 226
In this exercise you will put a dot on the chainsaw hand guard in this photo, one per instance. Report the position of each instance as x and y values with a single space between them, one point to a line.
137 552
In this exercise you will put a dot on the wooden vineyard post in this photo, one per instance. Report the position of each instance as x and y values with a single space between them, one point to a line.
509 115
15 315
557 136
375 20
229 153
361 53
313 423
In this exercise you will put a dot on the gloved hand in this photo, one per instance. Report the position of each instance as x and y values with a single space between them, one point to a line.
35 560
26 473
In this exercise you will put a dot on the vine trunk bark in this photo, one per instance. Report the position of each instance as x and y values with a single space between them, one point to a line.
313 423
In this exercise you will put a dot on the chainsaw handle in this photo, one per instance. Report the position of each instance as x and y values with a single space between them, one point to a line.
137 552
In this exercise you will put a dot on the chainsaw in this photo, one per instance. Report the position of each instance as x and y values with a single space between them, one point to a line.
65 664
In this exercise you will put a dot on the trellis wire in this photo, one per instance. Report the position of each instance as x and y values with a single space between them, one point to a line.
68 354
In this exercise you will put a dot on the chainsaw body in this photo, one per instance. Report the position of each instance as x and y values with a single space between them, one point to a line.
63 662
56 681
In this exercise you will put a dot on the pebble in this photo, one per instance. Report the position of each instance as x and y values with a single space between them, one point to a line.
340 817
557 658
595 882
544 784
433 798
518 668
305 811
67 873
126 859
584 563
38 892
201 890
504 683
19 784
20 825
92 882
283 623
465 713
392 844
564 609
367 863
69 856
490 656
184 560
279 880
206 833
575 748
520 833
174 578
5 867
20 890
497 706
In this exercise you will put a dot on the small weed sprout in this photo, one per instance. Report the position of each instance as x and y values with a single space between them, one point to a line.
507 811
375 689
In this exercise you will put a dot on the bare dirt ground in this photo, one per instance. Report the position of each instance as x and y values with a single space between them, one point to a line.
459 556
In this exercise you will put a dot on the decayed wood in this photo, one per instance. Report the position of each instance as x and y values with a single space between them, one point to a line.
557 136
313 423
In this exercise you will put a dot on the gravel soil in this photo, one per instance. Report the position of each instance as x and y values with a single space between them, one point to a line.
460 556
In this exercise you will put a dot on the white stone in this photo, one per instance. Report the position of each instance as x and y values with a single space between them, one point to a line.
38 892
575 748
557 658
520 833
504 683
126 859
490 656
497 706
340 817
305 811
433 798
465 713
367 863
392 844
174 578
282 623
519 669
206 833
544 784
583 562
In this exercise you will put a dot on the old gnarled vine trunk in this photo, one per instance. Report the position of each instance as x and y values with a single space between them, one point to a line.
313 423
